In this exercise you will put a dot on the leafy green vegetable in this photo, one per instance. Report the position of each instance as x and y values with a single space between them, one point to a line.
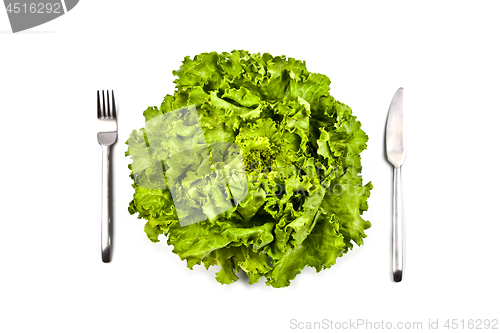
301 149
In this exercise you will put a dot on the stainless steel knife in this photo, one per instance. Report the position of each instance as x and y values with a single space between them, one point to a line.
395 150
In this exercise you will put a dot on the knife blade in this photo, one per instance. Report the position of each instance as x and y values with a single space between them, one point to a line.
396 153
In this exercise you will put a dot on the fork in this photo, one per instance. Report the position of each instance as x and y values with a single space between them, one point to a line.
106 136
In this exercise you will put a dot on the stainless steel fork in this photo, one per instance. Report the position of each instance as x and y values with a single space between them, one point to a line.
106 136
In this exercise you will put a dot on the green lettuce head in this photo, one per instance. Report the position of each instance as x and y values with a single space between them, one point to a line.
301 198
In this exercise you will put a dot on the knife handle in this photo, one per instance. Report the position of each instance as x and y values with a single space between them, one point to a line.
397 227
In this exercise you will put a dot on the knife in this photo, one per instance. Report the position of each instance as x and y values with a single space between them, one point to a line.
395 150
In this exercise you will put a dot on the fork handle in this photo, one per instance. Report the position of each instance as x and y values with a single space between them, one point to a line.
105 218
397 227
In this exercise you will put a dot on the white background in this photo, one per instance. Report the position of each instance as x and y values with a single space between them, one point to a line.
445 54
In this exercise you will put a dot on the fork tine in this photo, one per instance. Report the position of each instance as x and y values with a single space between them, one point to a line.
99 113
104 111
108 108
103 105
113 110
